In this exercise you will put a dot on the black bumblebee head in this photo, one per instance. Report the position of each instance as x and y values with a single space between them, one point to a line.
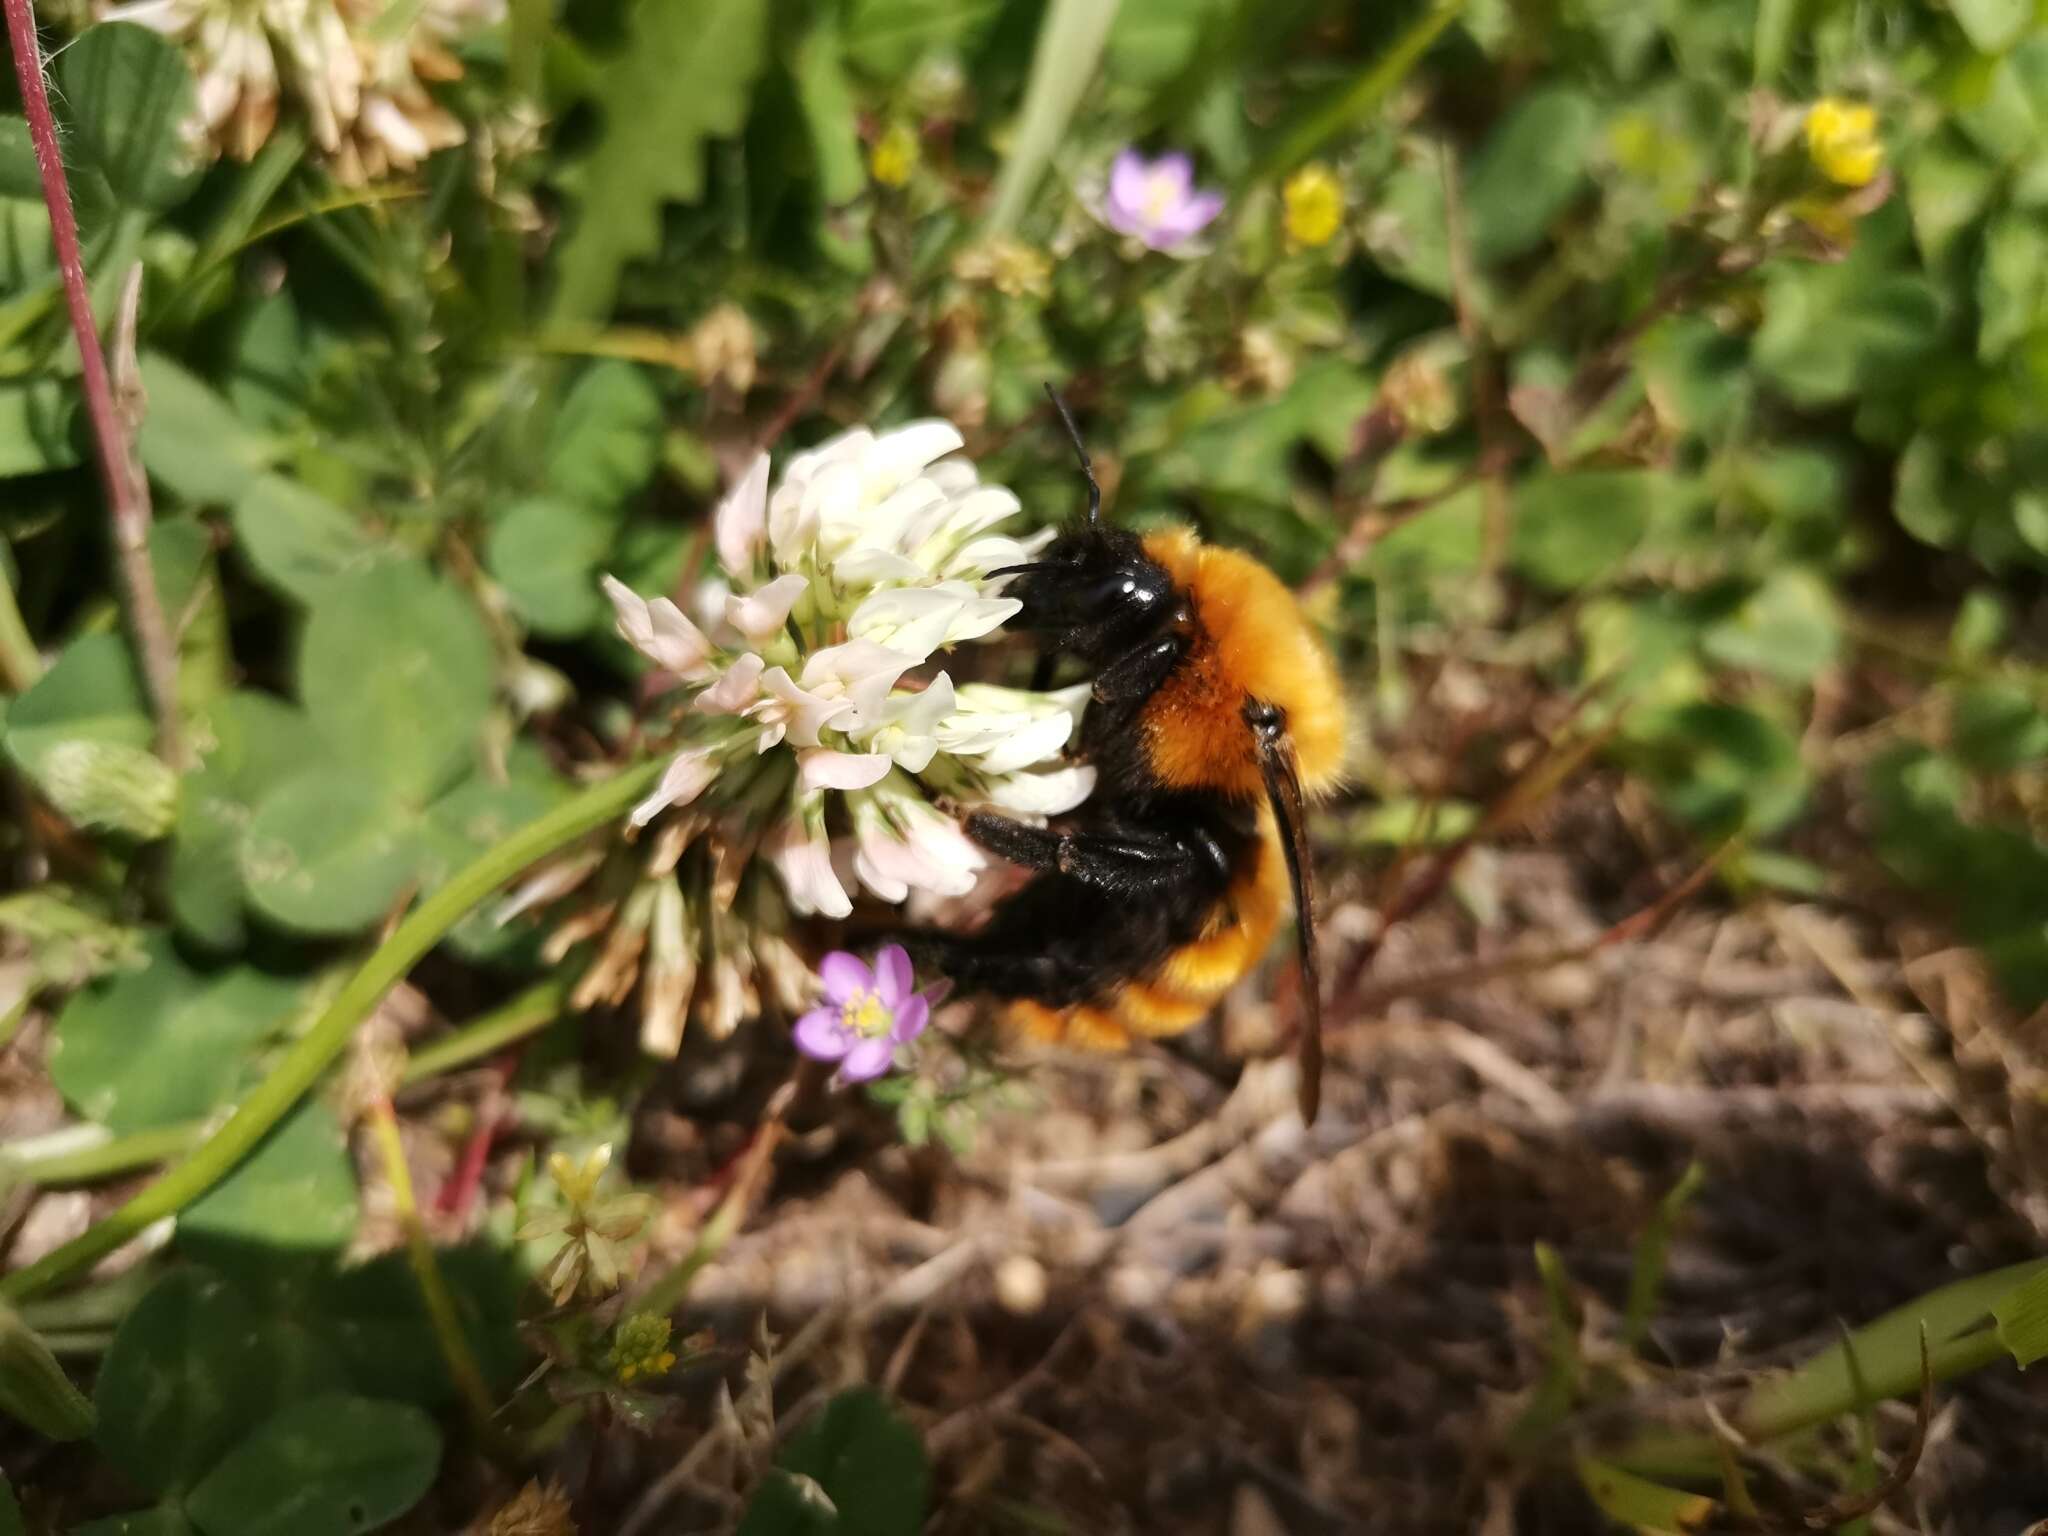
1094 592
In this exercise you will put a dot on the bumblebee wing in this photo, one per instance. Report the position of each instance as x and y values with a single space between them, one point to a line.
1277 766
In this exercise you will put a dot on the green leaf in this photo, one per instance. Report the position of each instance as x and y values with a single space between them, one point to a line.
129 95
256 741
1828 330
163 1044
192 1369
328 852
1724 768
1638 1503
374 1317
1572 529
1997 726
606 439
330 1466
396 671
297 1190
2012 283
1407 233
1947 186
545 552
10 1512
297 540
1533 165
1982 623
2022 1318
82 734
192 441
1993 25
830 112
887 38
1068 52
164 1520
866 1461
38 426
1787 627
684 78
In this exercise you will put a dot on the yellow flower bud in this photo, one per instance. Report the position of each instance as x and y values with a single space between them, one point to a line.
1841 138
894 156
1313 201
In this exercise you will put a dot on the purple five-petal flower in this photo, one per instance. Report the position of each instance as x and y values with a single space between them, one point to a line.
1156 200
866 1014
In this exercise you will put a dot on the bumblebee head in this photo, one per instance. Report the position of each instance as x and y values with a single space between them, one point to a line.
1094 592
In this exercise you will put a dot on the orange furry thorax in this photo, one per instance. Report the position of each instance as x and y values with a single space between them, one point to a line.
1251 641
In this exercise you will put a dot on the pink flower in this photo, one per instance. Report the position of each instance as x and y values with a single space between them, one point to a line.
1156 200
866 1016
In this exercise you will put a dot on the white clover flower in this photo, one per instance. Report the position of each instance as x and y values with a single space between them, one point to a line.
357 69
869 556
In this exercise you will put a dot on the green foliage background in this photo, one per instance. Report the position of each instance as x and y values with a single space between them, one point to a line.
1601 383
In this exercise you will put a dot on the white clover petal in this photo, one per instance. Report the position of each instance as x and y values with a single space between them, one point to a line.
904 844
1050 793
788 709
823 768
803 859
760 614
905 724
981 616
739 686
658 630
687 776
873 567
859 671
898 456
741 522
1038 742
913 620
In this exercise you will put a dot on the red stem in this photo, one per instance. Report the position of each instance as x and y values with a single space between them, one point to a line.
121 478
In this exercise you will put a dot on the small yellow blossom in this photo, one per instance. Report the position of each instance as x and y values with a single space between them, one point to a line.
1841 137
640 1347
1314 202
894 156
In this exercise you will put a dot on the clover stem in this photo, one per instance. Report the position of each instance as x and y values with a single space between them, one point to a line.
301 1066
126 487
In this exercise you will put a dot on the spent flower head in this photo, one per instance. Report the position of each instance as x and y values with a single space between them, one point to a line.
1156 201
869 1013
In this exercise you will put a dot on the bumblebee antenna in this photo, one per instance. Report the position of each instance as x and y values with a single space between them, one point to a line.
1080 452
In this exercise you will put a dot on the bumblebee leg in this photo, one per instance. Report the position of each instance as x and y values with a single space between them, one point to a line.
1136 673
1121 861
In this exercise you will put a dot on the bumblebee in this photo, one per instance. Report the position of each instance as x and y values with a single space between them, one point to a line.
1215 713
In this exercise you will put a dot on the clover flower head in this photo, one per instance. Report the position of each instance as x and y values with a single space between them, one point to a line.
1841 139
813 733
868 1014
360 80
539 1509
1156 201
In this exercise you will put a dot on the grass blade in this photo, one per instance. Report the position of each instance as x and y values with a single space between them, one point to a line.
1064 62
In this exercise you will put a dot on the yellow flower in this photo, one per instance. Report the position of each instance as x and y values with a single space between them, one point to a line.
1841 136
1314 203
640 1347
894 156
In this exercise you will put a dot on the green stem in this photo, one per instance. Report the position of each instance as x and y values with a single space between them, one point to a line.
116 1154
20 662
315 1051
534 1009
